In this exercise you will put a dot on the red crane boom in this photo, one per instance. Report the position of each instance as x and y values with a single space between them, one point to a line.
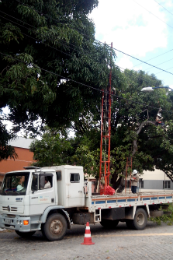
105 142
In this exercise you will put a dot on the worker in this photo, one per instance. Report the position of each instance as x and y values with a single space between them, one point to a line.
159 119
20 185
134 181
47 183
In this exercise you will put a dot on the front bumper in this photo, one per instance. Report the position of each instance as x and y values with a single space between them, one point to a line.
16 223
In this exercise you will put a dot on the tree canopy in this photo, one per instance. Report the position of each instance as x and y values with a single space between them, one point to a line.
52 68
48 60
134 130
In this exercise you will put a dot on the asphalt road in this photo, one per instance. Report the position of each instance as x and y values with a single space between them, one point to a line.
155 242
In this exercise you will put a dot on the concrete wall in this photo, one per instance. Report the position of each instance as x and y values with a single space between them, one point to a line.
156 184
154 180
154 175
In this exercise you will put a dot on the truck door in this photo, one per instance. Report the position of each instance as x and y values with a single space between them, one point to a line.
75 188
42 193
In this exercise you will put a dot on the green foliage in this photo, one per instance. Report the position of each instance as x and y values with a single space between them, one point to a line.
56 36
59 37
55 149
88 159
167 217
6 150
51 150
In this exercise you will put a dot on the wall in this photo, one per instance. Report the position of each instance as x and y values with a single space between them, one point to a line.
25 158
154 175
154 180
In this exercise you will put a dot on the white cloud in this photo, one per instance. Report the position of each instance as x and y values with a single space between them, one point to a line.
130 27
124 63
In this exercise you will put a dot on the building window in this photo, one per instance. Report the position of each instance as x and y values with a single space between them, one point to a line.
166 184
141 183
74 177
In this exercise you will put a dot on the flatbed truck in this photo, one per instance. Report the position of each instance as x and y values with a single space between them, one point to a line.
26 206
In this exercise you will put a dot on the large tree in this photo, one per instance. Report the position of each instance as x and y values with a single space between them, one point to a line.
134 132
48 58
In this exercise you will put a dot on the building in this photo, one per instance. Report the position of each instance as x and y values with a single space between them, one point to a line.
25 157
156 179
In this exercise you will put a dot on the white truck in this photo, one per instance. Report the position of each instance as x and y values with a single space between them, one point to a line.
27 206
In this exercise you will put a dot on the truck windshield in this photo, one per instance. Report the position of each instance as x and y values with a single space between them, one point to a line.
15 184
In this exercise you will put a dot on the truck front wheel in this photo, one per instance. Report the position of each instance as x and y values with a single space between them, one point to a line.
140 219
55 227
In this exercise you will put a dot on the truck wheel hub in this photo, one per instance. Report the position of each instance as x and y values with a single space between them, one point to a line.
140 219
56 226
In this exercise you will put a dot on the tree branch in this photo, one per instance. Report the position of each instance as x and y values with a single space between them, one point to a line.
135 146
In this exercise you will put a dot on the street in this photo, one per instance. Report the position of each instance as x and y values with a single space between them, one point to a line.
155 242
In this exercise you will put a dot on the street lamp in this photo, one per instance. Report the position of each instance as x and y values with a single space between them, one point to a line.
152 88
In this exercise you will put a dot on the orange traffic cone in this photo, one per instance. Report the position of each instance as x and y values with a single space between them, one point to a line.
87 236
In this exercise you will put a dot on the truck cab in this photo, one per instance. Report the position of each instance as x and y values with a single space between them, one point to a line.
26 203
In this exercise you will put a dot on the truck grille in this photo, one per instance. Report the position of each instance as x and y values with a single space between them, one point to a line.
14 209
5 208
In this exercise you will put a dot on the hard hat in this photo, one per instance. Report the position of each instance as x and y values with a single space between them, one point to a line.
159 115
134 172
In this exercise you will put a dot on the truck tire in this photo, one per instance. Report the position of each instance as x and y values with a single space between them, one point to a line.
25 234
111 224
55 227
156 213
140 219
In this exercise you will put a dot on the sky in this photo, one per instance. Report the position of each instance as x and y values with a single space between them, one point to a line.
141 28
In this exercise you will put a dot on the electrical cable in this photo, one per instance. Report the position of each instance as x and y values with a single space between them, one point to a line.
153 58
38 40
152 14
107 44
80 83
46 44
142 61
163 7
87 35
118 51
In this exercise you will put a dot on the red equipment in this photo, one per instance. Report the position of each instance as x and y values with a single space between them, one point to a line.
105 136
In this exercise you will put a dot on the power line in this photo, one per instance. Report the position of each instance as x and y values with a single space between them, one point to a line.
53 73
36 39
142 61
162 72
163 7
46 44
153 14
154 57
80 83
27 24
107 45
164 62
98 40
